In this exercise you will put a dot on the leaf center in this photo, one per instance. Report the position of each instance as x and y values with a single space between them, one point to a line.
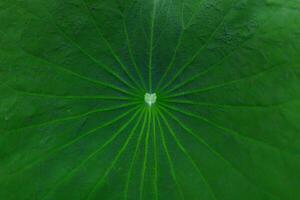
150 98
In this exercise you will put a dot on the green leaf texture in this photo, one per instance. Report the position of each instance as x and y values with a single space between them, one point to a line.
149 99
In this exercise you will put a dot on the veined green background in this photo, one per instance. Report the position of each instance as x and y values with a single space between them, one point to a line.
74 123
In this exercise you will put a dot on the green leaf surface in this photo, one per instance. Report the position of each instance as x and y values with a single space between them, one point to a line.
150 99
